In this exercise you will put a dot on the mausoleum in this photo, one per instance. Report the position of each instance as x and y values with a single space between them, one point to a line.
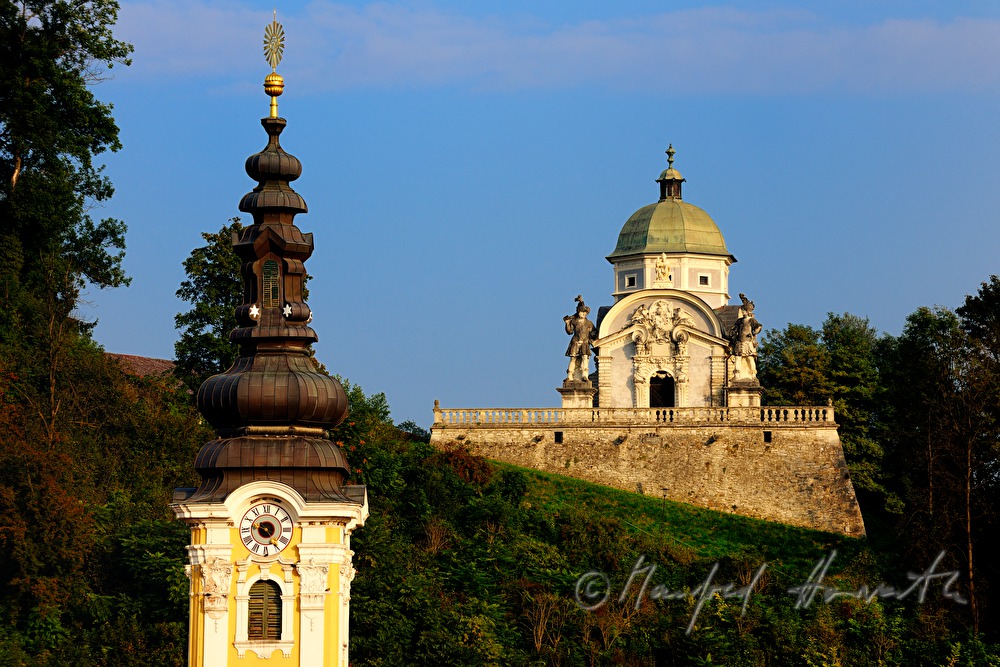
673 406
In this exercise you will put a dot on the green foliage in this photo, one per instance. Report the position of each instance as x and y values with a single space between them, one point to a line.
792 367
460 565
93 560
213 288
805 366
51 128
981 317
920 423
856 389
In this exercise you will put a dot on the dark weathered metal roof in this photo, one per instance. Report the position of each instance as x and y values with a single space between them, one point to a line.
728 316
315 467
272 408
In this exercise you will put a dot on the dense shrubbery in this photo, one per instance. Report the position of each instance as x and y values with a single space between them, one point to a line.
467 563
93 561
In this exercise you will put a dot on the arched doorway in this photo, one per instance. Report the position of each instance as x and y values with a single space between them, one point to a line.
661 391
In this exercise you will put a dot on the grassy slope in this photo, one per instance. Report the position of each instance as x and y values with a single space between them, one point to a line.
696 534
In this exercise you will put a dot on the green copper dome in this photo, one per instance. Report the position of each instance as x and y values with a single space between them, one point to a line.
670 226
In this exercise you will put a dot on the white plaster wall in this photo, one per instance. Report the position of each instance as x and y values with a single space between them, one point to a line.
699 375
622 390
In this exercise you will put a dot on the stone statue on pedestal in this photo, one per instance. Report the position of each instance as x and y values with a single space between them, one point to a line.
662 269
583 332
743 337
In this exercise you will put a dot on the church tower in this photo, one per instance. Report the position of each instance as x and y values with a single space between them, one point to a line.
270 554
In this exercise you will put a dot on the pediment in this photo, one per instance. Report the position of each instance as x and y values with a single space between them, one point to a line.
660 311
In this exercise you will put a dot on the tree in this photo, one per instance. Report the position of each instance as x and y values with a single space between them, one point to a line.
213 286
981 316
805 366
793 367
942 434
87 452
854 384
51 128
980 319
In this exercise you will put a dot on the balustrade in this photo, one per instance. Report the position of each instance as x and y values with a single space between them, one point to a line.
513 417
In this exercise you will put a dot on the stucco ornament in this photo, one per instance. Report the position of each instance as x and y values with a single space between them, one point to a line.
743 340
583 332
347 573
659 323
313 578
216 579
312 589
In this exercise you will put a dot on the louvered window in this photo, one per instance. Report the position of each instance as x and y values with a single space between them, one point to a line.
270 286
265 611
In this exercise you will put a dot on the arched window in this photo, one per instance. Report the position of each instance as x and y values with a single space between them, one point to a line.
265 614
264 611
269 278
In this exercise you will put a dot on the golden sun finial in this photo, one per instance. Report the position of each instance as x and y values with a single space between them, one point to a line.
274 48
274 42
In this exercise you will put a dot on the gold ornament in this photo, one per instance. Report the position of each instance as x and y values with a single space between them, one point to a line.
274 43
274 47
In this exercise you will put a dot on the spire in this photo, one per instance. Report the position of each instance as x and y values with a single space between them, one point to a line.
272 408
670 179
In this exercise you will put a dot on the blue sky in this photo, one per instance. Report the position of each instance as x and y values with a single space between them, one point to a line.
468 166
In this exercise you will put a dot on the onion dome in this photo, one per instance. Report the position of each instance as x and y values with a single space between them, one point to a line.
670 225
273 169
272 409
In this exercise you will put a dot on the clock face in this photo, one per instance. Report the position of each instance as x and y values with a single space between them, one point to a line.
266 529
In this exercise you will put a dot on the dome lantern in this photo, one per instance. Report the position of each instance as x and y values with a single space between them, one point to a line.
672 244
670 179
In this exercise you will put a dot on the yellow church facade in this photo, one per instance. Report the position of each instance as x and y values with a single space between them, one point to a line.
270 578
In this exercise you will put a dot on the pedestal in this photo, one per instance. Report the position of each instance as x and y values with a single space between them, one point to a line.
577 394
743 394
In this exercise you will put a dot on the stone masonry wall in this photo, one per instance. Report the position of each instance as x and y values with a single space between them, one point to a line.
799 477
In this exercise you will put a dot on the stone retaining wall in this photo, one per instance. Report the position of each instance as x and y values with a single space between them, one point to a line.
788 473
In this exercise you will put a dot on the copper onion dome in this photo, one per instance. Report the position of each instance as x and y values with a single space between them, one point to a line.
272 408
